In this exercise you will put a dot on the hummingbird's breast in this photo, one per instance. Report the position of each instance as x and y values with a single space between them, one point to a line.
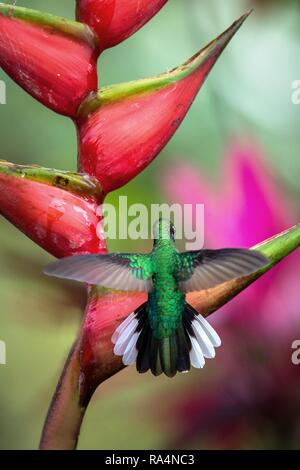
166 301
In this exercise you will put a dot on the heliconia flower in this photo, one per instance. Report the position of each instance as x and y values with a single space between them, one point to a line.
52 58
250 206
57 210
116 20
124 127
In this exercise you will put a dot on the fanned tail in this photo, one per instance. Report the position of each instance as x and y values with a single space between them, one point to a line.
189 345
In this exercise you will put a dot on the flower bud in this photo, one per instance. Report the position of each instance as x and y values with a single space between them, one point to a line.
57 210
116 20
52 58
124 127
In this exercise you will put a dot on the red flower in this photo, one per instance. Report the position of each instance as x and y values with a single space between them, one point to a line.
57 210
124 127
52 58
116 20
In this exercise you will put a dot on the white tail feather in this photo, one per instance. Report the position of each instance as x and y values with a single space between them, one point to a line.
196 355
204 341
124 338
211 333
121 327
131 351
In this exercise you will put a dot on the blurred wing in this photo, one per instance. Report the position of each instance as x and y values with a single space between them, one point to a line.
204 269
120 271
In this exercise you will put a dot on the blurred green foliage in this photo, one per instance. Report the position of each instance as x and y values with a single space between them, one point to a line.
248 93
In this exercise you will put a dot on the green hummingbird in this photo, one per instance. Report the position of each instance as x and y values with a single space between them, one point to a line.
165 334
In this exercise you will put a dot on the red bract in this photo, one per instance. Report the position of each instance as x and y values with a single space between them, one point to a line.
123 128
106 309
57 210
52 58
116 20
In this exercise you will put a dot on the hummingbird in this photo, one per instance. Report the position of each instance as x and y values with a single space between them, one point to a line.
165 334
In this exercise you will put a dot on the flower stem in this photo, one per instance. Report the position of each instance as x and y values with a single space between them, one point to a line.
62 426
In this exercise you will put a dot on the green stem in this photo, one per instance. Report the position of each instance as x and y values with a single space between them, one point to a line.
65 26
278 247
62 426
76 183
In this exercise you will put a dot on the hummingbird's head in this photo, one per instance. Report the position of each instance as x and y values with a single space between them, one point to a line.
163 229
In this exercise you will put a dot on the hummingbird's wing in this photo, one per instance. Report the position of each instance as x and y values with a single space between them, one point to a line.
198 270
122 271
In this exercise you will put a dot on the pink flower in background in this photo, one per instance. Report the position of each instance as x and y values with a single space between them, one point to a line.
245 206
251 397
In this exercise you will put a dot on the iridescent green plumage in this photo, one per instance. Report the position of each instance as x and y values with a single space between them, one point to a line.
166 301
165 334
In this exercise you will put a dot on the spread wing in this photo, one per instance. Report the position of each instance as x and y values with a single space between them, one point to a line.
122 271
198 270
